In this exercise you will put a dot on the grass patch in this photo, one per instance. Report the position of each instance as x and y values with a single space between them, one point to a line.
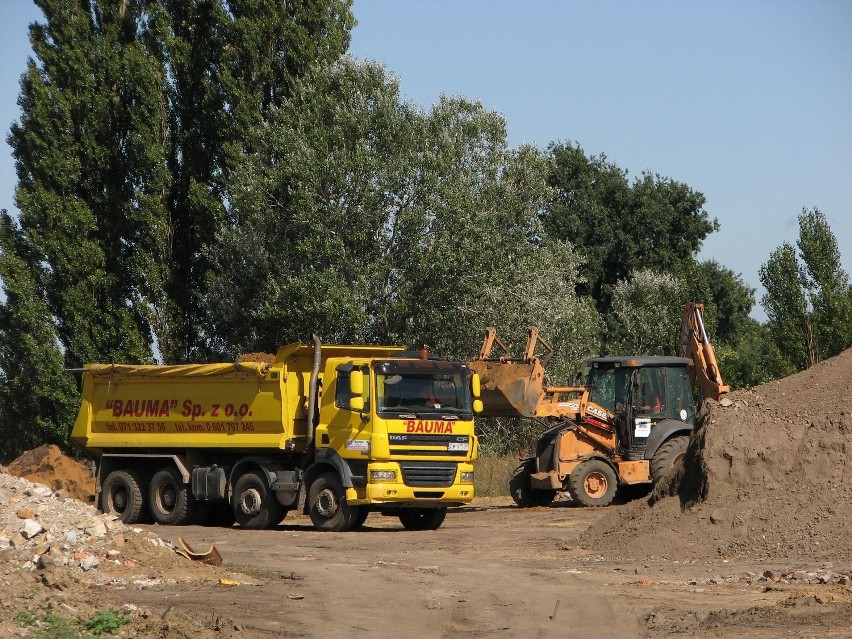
54 626
492 475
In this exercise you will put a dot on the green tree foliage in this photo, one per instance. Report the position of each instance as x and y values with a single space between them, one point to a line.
37 398
88 156
654 223
363 219
228 63
132 114
649 308
808 298
753 359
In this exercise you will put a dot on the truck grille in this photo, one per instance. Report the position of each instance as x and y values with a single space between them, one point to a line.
428 475
439 445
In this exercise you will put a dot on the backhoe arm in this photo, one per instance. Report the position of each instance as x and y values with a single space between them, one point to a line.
695 344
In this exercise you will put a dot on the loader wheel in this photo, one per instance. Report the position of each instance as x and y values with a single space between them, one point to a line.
121 494
592 483
254 505
327 505
171 501
667 456
523 493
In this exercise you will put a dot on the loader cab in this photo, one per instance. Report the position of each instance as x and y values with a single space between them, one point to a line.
641 392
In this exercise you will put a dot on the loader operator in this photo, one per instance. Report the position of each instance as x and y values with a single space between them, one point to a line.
652 403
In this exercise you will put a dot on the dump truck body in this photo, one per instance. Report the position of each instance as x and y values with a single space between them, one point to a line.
177 440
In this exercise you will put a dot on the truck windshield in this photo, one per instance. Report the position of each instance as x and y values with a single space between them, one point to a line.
419 393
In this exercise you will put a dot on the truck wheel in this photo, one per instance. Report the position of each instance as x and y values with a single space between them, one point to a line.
592 483
327 505
254 504
423 518
171 501
361 513
667 455
523 493
121 494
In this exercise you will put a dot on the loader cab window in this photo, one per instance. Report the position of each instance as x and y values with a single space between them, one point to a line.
651 397
608 388
680 395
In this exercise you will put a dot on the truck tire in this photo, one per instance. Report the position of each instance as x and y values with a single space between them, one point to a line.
121 494
361 513
668 454
592 483
254 504
521 491
422 518
170 500
327 505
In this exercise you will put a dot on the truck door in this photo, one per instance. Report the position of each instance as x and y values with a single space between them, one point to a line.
348 431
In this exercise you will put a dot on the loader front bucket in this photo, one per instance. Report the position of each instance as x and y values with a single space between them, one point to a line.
510 389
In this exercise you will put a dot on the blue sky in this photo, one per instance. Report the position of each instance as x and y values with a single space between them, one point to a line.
749 103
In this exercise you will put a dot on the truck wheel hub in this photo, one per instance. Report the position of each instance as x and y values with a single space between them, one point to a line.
327 503
119 500
167 498
250 501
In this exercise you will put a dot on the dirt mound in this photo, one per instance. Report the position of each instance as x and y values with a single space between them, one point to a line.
47 465
264 358
766 476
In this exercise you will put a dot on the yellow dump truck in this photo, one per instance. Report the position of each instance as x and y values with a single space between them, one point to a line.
359 428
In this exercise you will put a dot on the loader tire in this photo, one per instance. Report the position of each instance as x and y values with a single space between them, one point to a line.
667 456
327 505
422 518
121 494
254 505
593 483
170 500
521 491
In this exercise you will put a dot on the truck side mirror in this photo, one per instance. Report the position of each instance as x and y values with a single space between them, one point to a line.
477 406
356 390
476 386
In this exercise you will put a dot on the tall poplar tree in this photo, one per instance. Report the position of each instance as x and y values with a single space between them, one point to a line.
132 113
88 152
228 63
808 297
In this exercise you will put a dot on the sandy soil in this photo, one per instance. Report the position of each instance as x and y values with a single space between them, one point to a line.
492 570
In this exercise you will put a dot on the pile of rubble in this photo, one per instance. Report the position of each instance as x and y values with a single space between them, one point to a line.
59 555
40 527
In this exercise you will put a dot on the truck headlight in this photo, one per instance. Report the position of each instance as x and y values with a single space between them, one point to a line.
382 475
466 478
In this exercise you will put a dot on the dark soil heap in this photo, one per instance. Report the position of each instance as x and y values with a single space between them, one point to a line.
767 476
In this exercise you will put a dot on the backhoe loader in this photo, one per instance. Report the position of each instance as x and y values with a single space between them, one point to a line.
629 424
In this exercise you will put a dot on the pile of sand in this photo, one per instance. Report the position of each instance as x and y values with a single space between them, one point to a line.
765 477
47 465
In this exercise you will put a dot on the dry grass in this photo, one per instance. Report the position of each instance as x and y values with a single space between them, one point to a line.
492 475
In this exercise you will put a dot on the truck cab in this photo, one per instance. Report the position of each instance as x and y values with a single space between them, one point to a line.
399 433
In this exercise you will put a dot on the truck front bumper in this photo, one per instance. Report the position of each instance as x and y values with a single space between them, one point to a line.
399 493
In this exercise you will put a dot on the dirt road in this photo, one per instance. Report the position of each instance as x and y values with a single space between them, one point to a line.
492 570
